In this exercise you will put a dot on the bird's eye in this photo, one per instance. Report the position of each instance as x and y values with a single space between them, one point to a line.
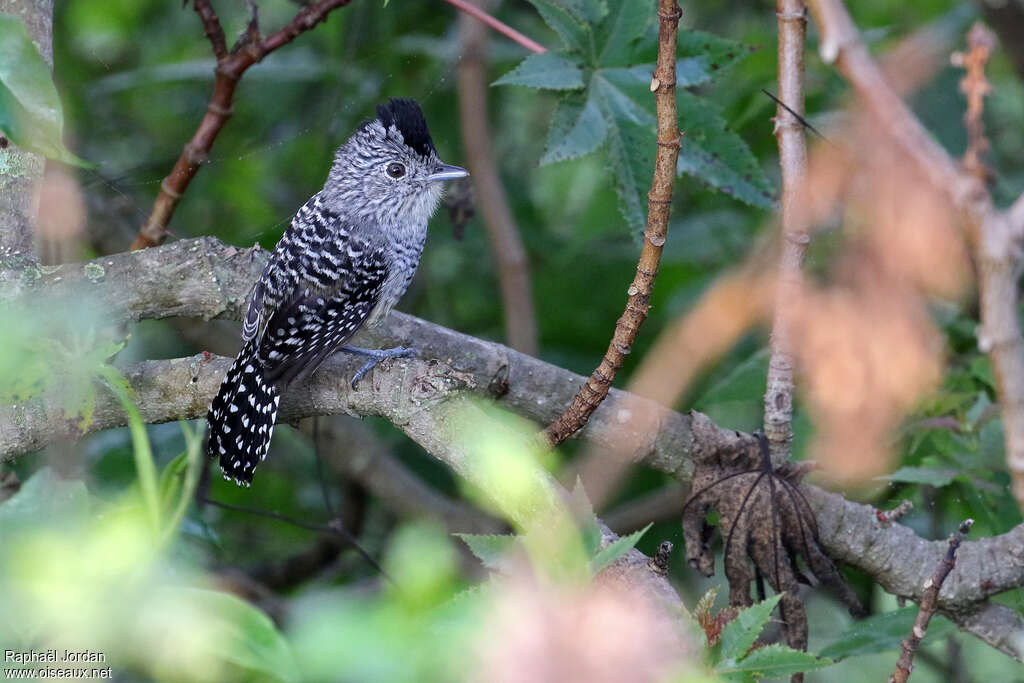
396 170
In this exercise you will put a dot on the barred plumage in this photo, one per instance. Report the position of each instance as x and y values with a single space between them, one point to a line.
347 258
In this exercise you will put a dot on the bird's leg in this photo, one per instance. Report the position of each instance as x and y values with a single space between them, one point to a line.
375 356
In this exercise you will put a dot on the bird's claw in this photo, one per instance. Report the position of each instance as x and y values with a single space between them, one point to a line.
375 356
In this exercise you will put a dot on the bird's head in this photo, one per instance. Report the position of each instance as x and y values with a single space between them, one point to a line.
389 168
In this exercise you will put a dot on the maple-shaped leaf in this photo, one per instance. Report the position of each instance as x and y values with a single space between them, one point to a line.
604 71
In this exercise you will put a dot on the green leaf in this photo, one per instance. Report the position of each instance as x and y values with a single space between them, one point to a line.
549 71
590 532
771 661
617 36
883 633
30 109
489 548
923 475
574 33
577 129
616 549
703 55
245 637
43 498
716 155
739 634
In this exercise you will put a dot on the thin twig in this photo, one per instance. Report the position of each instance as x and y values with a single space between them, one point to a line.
506 245
929 603
334 527
789 131
659 201
502 28
981 42
230 68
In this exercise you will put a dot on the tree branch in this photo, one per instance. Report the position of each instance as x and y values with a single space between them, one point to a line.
789 130
506 245
928 606
659 202
230 68
206 278
996 241
21 171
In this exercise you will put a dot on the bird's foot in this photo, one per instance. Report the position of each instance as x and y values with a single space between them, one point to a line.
375 356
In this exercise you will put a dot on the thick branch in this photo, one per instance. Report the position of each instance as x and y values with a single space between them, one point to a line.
205 278
778 396
230 68
659 202
21 172
506 245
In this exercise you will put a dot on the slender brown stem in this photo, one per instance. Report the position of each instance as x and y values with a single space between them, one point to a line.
981 42
230 68
789 131
506 245
659 201
929 603
501 27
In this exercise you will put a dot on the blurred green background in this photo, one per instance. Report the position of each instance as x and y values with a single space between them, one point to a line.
135 77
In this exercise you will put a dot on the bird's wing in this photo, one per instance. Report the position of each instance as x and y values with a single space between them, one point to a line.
320 299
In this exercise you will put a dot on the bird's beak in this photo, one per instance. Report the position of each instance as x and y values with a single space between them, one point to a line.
447 172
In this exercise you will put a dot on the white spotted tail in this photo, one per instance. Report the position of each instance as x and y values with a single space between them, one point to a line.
241 417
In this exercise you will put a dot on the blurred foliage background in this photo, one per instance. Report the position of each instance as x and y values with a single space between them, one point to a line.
135 78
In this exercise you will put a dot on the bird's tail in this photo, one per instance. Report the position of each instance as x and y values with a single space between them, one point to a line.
242 416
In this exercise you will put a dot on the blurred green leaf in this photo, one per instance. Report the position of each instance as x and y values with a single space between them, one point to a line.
616 549
573 32
577 129
489 548
30 109
547 71
247 638
923 475
771 661
44 498
739 634
883 633
590 532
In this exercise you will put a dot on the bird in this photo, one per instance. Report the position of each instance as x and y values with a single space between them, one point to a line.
346 259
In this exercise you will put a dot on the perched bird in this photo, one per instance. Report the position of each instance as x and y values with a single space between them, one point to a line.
345 261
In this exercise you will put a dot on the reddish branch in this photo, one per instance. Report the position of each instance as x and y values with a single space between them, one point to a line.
230 68
502 28
789 130
659 201
929 603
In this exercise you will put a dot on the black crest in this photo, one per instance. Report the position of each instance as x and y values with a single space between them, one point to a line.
405 114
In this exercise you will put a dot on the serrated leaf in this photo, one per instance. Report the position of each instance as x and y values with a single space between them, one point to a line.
30 111
577 129
590 532
706 602
923 475
575 34
489 548
587 11
883 633
616 549
617 36
703 55
739 634
631 152
549 71
771 661
718 156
